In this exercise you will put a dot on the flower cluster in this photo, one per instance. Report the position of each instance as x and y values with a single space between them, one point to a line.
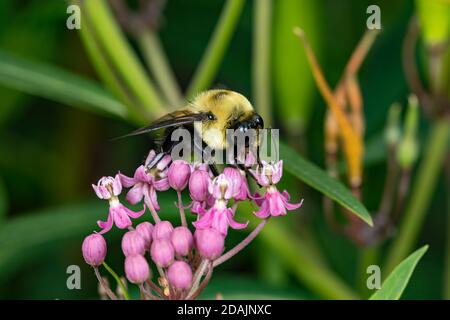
183 259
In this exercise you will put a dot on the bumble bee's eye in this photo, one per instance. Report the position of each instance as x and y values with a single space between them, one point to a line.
258 121
211 116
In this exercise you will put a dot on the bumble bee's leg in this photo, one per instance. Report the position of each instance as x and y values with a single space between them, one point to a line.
164 147
213 168
247 171
156 160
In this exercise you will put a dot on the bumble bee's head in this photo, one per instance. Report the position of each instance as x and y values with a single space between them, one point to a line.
225 109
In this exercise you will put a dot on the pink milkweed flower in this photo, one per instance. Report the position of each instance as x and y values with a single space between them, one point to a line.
273 203
198 188
118 215
219 217
145 182
221 187
239 183
268 174
109 188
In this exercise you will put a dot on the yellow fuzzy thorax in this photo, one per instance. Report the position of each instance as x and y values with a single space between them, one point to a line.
227 107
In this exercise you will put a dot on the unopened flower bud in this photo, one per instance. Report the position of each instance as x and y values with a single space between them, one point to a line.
209 242
182 240
162 252
94 249
392 132
198 185
162 229
136 269
178 174
408 149
133 243
145 230
180 275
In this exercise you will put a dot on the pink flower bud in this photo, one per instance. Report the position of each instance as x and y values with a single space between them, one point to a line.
162 229
180 275
145 230
178 174
94 249
198 185
182 240
133 244
162 252
136 269
209 242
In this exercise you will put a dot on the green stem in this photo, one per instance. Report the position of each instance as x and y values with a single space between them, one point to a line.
122 56
119 282
421 195
261 58
216 48
104 68
447 251
157 61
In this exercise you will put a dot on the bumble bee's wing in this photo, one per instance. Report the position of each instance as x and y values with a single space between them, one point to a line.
174 119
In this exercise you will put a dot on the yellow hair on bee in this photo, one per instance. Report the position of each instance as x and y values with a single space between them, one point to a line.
227 107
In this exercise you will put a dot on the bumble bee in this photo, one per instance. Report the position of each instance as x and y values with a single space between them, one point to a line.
210 114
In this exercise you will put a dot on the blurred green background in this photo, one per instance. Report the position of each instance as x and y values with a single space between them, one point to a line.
50 153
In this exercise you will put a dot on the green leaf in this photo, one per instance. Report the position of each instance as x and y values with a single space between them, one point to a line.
318 179
396 282
57 84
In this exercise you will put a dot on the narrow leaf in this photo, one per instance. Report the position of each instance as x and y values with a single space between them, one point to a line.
397 281
57 84
318 179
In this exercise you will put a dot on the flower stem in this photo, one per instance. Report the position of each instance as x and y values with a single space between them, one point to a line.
153 211
241 245
148 293
181 208
124 59
197 276
203 285
261 58
107 289
119 282
422 192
